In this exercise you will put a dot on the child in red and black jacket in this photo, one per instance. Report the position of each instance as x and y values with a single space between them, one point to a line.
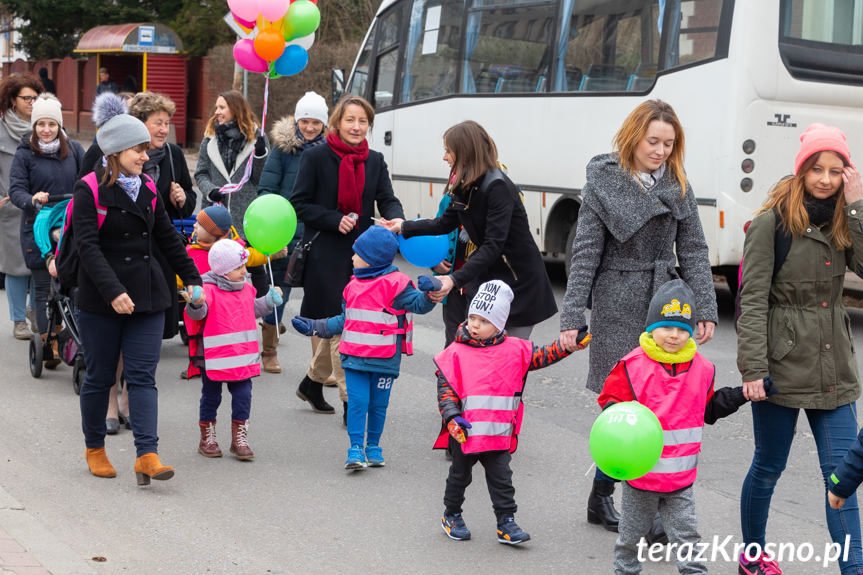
480 378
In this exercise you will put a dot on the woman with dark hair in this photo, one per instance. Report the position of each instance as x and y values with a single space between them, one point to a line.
231 136
638 219
122 292
489 207
45 165
17 94
338 185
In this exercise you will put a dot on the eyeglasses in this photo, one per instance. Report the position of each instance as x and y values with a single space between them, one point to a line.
28 99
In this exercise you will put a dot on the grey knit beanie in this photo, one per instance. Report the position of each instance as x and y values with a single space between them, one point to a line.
673 305
121 133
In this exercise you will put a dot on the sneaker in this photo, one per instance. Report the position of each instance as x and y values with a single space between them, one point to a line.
375 456
21 331
510 533
356 458
453 525
760 566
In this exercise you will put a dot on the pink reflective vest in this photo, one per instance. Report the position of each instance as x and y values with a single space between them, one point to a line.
488 382
678 402
228 336
371 322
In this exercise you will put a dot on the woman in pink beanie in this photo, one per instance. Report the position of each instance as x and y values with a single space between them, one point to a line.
793 327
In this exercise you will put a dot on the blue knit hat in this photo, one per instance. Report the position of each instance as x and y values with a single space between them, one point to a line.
377 246
216 220
673 305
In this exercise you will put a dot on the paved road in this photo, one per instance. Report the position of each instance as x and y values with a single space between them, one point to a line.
295 510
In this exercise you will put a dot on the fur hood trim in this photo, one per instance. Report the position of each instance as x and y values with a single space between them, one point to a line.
284 135
106 106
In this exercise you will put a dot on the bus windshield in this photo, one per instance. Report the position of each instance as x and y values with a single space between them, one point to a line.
822 40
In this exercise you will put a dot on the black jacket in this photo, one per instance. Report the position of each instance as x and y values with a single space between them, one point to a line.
494 217
120 257
848 475
315 198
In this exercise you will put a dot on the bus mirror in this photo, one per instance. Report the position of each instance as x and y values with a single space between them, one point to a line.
337 78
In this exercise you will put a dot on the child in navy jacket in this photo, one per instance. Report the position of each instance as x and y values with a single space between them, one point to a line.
376 329
847 476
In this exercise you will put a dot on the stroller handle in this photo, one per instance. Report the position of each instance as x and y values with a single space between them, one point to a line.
52 199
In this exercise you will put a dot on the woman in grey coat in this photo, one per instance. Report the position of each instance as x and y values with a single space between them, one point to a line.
17 94
637 208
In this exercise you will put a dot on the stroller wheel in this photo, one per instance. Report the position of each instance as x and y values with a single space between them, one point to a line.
184 335
78 374
35 355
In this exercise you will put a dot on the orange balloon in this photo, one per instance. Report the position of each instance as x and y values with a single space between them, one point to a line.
269 45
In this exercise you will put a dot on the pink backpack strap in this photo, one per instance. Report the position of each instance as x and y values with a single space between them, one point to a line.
152 185
101 211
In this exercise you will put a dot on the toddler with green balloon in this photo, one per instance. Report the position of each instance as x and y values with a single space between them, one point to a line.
665 374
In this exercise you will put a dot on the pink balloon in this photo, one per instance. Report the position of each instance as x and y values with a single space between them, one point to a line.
247 58
244 23
245 9
273 9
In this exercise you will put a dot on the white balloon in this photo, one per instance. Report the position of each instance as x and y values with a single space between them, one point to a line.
304 41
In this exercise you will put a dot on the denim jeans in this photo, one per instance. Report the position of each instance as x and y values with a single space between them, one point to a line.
140 337
16 295
835 430
211 398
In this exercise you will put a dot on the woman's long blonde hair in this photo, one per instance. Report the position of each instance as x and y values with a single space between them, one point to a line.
632 132
246 120
787 198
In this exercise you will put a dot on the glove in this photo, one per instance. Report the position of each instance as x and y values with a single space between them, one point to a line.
216 196
457 426
260 146
274 297
584 337
428 283
316 327
769 388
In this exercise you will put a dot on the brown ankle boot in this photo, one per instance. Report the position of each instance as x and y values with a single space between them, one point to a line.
239 444
208 446
149 467
270 357
98 462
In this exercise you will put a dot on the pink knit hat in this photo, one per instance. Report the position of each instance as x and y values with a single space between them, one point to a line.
226 255
821 138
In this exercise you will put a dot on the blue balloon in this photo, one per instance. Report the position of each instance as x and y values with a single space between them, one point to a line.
424 251
292 61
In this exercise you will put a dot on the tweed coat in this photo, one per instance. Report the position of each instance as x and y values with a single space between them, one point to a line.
623 251
11 257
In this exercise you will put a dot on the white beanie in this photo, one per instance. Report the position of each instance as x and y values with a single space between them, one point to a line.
48 107
313 106
492 302
226 255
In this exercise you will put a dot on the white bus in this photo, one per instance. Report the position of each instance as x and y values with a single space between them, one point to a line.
552 80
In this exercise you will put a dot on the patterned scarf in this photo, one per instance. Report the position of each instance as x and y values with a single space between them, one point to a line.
306 144
352 173
231 142
130 184
51 147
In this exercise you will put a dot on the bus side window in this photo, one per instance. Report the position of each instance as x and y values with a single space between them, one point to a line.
360 78
430 67
694 31
386 59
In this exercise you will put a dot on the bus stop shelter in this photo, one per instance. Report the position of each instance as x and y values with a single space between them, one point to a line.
139 57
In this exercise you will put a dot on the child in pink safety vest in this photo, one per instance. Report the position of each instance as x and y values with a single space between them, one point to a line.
231 355
376 329
669 376
480 379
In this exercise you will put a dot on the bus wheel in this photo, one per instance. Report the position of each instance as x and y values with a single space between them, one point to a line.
570 237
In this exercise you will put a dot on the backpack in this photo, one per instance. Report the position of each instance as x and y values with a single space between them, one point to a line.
781 247
66 256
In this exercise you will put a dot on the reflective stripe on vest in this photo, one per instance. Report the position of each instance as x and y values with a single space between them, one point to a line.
232 362
234 338
371 323
490 402
490 428
678 401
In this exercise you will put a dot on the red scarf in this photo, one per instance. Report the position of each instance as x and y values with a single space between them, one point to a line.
352 173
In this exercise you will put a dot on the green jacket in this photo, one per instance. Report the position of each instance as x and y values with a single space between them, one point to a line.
796 328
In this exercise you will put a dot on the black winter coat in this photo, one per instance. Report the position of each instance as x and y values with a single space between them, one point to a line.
315 198
496 221
173 168
120 257
33 173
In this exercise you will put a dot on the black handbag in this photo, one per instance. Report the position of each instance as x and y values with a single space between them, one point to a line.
297 263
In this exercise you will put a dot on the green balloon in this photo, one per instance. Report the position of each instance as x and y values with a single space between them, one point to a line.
269 223
626 440
302 18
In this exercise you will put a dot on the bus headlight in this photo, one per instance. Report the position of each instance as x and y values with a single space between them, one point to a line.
746 184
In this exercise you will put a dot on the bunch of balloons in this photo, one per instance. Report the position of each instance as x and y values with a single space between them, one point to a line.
285 32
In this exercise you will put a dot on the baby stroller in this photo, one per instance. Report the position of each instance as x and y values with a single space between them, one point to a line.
185 228
61 307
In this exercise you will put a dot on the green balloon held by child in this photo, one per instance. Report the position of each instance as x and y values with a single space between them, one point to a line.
269 223
626 440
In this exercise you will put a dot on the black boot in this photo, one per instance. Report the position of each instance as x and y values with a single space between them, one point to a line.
313 392
345 413
657 532
600 506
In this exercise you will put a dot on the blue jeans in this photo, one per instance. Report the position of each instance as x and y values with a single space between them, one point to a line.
835 430
211 398
16 295
368 397
140 337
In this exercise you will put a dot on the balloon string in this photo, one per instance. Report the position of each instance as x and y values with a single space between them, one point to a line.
272 286
230 188
589 469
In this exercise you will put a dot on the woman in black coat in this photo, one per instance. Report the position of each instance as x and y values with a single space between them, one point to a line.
337 187
489 206
123 293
